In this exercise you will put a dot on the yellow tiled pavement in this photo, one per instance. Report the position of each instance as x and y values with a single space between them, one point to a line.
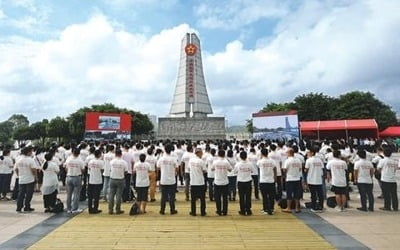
182 231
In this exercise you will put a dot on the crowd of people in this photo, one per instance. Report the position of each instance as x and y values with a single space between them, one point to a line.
124 171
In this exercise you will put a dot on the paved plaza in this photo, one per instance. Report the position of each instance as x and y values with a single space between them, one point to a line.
329 230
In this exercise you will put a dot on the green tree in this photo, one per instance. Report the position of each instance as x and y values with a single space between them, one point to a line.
314 106
249 126
277 107
140 123
6 132
22 134
361 105
18 120
58 128
39 130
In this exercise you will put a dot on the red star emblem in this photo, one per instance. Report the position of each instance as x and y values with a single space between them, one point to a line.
190 49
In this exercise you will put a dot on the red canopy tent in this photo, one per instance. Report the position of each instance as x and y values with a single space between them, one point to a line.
339 129
390 132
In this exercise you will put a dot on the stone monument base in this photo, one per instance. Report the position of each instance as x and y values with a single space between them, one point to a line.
188 128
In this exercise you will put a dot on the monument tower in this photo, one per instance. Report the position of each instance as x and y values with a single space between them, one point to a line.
190 98
188 116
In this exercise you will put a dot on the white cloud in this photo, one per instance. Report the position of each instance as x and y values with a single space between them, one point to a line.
2 15
233 14
319 47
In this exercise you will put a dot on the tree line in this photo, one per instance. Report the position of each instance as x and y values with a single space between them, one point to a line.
72 128
351 105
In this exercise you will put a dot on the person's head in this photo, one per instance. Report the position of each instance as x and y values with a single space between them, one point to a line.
27 151
221 153
97 153
311 151
189 148
264 152
150 151
290 152
272 147
76 152
199 152
142 157
91 150
243 155
387 152
213 151
230 153
336 153
362 154
118 152
168 148
48 156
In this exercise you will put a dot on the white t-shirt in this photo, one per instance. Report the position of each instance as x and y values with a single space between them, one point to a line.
118 168
128 157
25 166
315 168
50 177
108 157
168 165
243 169
95 166
253 159
338 169
74 166
209 162
231 161
364 171
267 167
388 168
293 168
142 174
185 159
221 167
6 165
196 168
278 159
152 162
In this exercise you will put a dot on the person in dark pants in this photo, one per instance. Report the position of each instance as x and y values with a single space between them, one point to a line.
168 166
292 167
95 168
363 172
314 169
119 168
388 167
244 169
210 174
231 177
6 168
221 167
25 168
49 188
267 168
196 168
253 158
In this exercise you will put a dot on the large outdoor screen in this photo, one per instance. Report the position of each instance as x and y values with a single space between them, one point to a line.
107 125
276 125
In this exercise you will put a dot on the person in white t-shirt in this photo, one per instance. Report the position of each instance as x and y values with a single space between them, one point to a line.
231 176
25 168
6 170
211 174
168 166
221 167
267 168
184 165
49 188
276 156
142 170
74 166
127 194
108 157
244 169
337 176
151 159
292 167
95 168
388 167
315 169
119 168
363 172
196 168
253 158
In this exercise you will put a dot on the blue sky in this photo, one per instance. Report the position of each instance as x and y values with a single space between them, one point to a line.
57 56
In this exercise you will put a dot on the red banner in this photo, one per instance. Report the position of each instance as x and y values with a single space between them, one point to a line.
96 121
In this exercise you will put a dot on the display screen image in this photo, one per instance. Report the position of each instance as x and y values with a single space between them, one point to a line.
276 126
109 122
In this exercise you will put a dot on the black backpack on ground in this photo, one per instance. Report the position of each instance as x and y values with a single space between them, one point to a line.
283 204
59 207
331 202
134 209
